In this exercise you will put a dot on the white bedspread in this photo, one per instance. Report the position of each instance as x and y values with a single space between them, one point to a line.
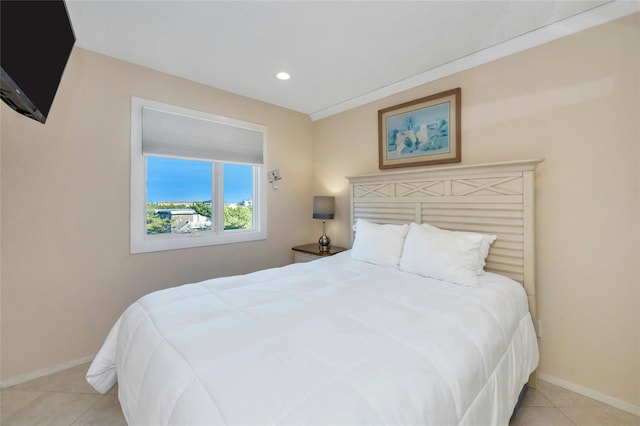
334 341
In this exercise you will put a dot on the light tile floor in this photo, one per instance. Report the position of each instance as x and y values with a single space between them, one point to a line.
65 398
60 399
552 405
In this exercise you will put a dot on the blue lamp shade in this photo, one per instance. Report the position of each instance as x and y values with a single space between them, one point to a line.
323 207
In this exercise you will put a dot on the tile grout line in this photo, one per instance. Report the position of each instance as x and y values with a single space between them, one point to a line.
565 415
27 406
88 408
46 394
555 406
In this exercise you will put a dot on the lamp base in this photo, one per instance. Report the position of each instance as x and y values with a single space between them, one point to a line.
324 241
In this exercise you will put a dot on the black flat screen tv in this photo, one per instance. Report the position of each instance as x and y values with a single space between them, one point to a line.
36 39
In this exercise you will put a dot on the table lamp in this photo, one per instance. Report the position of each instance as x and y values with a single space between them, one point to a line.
323 209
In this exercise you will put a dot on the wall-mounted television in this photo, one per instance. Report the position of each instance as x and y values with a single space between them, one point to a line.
36 39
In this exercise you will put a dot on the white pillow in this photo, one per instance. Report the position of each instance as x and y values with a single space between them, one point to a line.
378 244
485 244
441 254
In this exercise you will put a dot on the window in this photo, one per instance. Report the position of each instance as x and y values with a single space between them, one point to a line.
195 178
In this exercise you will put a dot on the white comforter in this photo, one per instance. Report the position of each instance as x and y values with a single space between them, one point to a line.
333 341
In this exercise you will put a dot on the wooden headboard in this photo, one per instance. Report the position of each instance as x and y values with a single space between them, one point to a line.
493 198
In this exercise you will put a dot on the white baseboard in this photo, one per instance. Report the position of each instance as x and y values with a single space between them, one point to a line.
45 372
590 393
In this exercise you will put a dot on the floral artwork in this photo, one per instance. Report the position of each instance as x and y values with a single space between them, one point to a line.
421 132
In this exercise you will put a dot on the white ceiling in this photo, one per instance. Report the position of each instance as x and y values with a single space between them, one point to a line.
340 53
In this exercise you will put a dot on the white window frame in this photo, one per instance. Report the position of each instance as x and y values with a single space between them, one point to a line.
143 243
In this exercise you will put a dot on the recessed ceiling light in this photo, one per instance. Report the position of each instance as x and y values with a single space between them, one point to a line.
283 75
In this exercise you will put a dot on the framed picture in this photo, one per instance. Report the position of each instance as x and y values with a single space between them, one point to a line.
421 132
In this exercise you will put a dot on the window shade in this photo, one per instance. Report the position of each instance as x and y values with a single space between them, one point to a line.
170 134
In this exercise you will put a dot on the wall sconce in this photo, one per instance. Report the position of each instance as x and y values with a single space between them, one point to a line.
273 177
323 209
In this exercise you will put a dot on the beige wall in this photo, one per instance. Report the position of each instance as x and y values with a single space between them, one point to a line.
576 103
66 269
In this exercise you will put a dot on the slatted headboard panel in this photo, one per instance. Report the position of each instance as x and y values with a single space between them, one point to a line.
490 198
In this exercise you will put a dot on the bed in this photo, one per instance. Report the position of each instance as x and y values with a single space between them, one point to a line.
353 338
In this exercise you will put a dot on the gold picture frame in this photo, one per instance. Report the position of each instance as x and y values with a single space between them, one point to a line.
421 132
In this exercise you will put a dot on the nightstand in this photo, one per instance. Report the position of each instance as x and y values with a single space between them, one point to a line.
309 252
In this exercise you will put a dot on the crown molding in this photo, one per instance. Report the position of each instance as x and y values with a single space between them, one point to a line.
594 17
